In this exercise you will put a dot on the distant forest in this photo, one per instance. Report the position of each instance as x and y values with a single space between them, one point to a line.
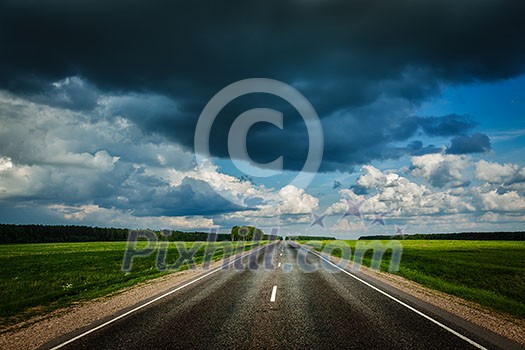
249 233
54 234
479 236
310 238
196 236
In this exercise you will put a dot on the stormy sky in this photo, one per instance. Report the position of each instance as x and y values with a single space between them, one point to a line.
422 106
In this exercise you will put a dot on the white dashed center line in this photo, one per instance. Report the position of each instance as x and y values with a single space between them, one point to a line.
279 265
274 294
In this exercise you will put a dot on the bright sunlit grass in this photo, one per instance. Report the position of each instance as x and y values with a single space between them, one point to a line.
38 278
491 273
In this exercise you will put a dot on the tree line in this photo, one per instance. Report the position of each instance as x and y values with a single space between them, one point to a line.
310 238
54 234
11 234
249 233
474 236
182 236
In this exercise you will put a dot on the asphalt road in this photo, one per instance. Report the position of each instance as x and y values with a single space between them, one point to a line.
278 309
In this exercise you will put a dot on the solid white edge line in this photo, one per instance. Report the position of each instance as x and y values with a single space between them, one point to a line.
274 294
149 302
459 335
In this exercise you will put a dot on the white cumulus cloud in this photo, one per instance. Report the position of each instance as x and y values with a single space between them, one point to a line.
493 172
440 169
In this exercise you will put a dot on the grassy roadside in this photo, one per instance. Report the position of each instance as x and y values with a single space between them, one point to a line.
491 273
38 278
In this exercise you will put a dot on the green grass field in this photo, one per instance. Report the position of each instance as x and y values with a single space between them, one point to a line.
491 273
38 278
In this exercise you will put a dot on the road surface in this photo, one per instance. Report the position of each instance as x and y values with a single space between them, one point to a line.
283 308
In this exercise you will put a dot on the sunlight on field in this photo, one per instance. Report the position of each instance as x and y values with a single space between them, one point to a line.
37 278
491 273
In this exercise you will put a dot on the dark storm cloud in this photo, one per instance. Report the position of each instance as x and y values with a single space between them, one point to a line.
416 148
448 125
368 133
153 197
341 55
73 93
463 144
